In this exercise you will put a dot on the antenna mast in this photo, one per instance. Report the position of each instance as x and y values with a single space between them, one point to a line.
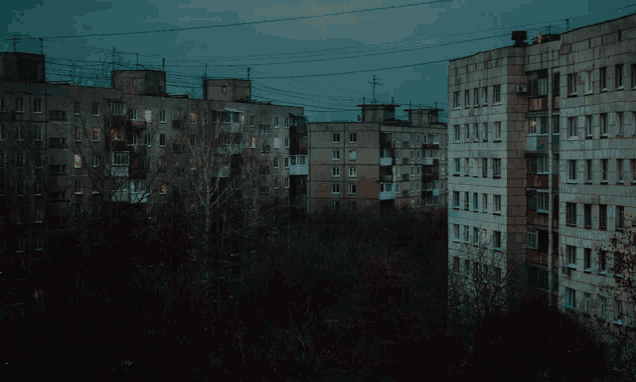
374 83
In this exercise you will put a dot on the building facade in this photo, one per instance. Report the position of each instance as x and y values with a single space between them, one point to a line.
542 154
66 150
379 162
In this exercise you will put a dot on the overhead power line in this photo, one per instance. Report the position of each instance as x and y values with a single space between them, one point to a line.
246 23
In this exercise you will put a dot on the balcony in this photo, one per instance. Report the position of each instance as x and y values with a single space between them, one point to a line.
387 178
298 165
386 195
386 161
405 161
435 141
57 143
428 161
139 124
537 143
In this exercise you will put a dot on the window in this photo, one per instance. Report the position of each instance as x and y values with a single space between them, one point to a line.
117 108
531 164
286 162
57 169
602 261
633 161
466 98
456 131
497 127
276 162
496 199
95 160
571 254
455 199
456 99
588 126
456 231
542 164
543 198
19 105
475 201
570 216
353 189
602 307
555 124
335 138
353 155
556 84
466 202
476 235
467 167
335 189
162 116
531 238
335 155
287 182
335 171
287 143
476 132
620 218
621 129
572 84
120 158
633 76
466 233
496 168
603 78
458 166
618 311
587 77
603 119
538 84
467 133
353 137
147 140
571 127
484 95
587 214
572 169
3 104
476 96
618 76
587 258
602 217
37 105
570 298
77 161
77 107
496 96
496 240
619 171
95 134
484 202
162 140
484 167
353 172
134 138
455 264
604 170
38 133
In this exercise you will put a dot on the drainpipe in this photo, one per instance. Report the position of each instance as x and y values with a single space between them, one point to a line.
550 204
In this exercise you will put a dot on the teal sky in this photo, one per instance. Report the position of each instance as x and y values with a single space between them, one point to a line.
378 39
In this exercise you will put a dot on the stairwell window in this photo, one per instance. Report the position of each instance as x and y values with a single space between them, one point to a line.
603 122
603 78
621 129
572 84
620 218
484 202
602 217
466 98
496 168
497 127
620 178
456 199
570 214
466 201
484 95
496 199
603 170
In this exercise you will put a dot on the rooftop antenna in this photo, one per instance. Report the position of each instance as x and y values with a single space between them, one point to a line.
374 83
113 58
137 61
248 73
205 76
41 46
567 21
14 41
549 28
163 64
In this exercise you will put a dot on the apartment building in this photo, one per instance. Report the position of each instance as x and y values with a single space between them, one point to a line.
379 162
66 151
543 135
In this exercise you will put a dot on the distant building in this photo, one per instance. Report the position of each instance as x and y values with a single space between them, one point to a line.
379 162
67 150
542 153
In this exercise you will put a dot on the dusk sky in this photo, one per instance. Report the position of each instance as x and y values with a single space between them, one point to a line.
404 33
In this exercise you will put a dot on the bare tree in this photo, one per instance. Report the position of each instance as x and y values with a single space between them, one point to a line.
483 279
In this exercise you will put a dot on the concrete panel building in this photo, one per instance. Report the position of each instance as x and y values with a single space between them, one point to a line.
379 162
542 154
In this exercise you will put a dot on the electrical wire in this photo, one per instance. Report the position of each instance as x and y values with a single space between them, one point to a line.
69 37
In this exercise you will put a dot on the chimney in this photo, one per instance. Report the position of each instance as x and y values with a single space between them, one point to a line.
520 38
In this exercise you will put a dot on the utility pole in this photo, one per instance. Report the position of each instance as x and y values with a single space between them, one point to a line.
113 59
137 61
374 83
567 22
205 76
14 41
41 46
163 64
248 73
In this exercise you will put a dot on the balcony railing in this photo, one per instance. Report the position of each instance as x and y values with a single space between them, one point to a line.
386 161
298 165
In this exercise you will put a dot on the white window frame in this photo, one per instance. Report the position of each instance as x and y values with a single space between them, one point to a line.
353 189
335 189
543 200
532 238
117 157
335 155
335 138
353 172
497 129
353 137
496 201
335 172
19 104
496 94
37 106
